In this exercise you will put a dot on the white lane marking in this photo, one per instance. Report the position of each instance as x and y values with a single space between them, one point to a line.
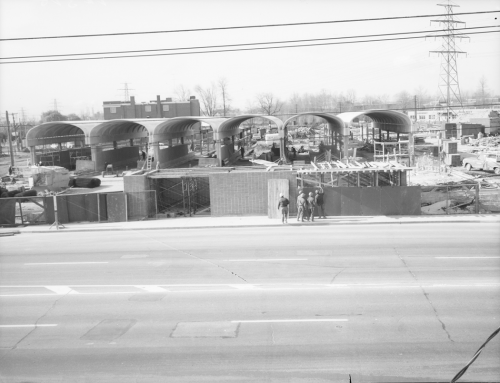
133 256
26 325
152 289
263 260
265 285
61 290
465 257
63 263
288 320
245 287
52 295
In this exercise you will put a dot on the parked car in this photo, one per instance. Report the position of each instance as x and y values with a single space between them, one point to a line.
486 161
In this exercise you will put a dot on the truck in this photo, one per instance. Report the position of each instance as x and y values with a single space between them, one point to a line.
485 161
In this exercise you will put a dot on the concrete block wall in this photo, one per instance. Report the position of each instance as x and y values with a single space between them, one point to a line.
239 194
141 201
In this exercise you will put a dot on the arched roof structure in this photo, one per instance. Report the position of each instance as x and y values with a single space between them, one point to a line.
60 131
334 123
384 119
183 126
231 125
117 130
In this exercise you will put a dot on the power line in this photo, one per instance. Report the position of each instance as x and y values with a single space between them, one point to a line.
239 27
237 45
232 50
449 85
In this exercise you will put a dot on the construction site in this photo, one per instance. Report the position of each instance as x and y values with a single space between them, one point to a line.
368 163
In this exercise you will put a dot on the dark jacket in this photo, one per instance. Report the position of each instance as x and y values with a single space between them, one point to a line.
319 199
283 202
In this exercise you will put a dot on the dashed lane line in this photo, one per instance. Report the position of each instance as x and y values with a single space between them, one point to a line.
264 260
26 325
63 263
61 290
152 289
467 257
288 320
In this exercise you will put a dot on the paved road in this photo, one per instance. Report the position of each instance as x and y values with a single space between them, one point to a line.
389 303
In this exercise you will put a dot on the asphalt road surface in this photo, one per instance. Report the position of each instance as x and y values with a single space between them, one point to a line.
383 303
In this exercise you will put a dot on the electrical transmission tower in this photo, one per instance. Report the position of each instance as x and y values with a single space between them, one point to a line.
126 89
448 82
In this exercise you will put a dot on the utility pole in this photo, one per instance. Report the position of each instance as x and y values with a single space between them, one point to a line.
55 105
448 84
15 129
10 139
415 98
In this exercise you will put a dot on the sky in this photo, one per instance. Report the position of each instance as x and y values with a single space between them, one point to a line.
367 68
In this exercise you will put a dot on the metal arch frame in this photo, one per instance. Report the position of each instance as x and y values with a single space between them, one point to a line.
391 120
233 125
388 120
335 124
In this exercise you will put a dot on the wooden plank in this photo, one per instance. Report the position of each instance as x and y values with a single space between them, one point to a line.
274 188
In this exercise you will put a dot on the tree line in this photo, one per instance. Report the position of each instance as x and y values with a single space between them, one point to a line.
215 100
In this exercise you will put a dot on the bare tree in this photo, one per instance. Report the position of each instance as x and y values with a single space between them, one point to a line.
226 107
404 100
422 96
482 91
269 104
295 104
208 97
181 93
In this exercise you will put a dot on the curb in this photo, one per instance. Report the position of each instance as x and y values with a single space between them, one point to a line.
299 224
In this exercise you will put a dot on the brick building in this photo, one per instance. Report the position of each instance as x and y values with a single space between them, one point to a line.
114 110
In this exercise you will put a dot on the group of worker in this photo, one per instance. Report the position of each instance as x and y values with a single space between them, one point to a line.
306 206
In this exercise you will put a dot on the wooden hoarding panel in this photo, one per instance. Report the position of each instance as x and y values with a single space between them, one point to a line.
117 207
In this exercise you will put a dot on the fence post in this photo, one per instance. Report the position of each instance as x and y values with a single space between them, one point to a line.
98 207
447 200
21 211
477 198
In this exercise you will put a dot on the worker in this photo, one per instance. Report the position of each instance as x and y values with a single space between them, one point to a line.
311 202
283 204
320 203
242 150
321 147
294 152
301 207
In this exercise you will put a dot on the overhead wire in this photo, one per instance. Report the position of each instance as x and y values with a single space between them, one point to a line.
236 49
243 26
240 44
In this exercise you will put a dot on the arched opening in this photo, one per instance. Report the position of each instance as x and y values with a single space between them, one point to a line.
180 140
389 132
314 140
60 143
120 142
262 136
